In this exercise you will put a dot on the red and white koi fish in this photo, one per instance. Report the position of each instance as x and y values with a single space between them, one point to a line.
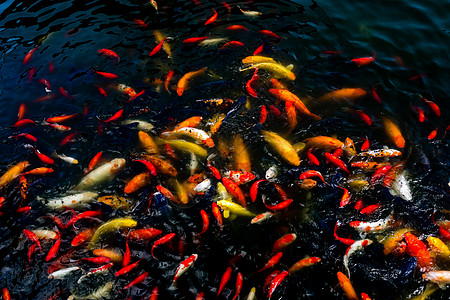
356 246
98 270
183 267
376 226
276 282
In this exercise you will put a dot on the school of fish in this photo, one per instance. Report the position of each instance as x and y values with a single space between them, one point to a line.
209 165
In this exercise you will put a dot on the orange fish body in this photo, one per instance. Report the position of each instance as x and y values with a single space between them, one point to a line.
182 83
418 249
394 133
286 95
344 94
137 182
347 286
323 142
306 262
190 122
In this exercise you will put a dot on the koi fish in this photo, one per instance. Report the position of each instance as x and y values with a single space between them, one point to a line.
272 262
250 13
30 53
418 249
381 153
283 242
195 133
323 142
183 267
71 201
234 208
433 106
182 83
287 96
303 263
157 48
111 226
13 173
282 147
278 70
104 173
212 19
98 270
356 246
276 281
376 226
224 280
106 74
109 53
442 278
394 133
237 27
344 94
347 286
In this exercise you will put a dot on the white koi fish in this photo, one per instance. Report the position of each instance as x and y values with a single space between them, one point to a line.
71 201
104 173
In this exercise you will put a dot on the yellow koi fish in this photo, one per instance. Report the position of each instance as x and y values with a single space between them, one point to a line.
282 147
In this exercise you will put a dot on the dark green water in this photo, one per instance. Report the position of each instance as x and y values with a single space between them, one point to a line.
69 34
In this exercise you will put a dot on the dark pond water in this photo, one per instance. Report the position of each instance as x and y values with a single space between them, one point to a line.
409 41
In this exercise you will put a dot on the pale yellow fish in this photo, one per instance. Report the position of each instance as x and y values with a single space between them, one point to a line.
282 147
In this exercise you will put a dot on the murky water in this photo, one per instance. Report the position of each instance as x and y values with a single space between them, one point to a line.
408 40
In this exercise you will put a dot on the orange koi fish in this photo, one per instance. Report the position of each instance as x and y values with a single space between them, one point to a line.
106 75
270 34
205 222
195 40
283 242
157 48
237 27
432 134
303 263
418 249
234 190
419 112
109 53
323 142
362 61
212 19
433 106
126 269
344 94
311 173
276 281
168 79
286 95
224 280
163 240
272 261
182 83
347 286
394 133
82 237
21 112
29 55
137 280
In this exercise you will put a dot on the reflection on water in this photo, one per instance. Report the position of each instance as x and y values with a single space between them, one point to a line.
387 65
